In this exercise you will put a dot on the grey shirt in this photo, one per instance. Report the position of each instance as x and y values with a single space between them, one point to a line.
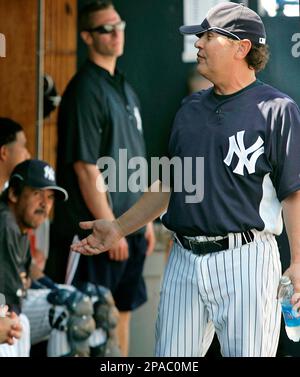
15 257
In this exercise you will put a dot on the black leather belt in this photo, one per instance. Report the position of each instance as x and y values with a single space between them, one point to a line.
206 247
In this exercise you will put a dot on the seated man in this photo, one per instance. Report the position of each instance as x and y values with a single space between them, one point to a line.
24 205
13 150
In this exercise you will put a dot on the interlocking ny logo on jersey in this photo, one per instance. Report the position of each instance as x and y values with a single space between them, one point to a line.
237 146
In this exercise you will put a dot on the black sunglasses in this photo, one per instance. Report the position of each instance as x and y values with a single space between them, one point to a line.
106 29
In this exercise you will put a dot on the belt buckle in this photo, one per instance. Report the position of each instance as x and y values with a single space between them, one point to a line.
217 243
194 249
204 245
191 242
208 246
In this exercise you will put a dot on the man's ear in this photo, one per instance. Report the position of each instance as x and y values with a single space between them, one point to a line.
12 196
243 49
3 153
86 37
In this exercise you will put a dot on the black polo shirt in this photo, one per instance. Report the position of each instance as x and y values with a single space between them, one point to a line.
15 257
99 115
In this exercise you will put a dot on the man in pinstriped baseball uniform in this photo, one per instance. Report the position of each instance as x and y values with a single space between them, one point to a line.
224 268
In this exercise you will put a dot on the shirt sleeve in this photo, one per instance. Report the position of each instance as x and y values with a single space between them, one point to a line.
14 258
286 151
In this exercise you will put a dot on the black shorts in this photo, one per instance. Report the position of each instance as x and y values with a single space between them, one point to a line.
124 279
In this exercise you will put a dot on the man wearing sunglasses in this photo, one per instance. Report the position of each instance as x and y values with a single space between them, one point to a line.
99 115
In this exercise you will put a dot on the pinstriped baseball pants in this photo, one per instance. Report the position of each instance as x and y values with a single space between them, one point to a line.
232 292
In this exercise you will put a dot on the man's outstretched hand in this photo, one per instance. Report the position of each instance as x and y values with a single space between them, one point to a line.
106 234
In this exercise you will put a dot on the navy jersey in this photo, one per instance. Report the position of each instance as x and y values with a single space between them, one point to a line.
250 144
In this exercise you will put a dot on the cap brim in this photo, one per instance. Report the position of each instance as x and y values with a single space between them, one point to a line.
60 192
192 29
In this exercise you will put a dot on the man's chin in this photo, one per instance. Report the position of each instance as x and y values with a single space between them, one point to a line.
34 224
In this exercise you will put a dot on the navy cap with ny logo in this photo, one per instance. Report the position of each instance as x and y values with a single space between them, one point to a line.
233 20
38 174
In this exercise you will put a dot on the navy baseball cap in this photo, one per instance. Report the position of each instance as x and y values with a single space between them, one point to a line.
38 174
233 20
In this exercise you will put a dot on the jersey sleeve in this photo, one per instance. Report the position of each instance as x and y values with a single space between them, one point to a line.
286 151
14 259
81 123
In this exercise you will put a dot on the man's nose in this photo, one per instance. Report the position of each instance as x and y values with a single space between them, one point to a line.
43 199
199 43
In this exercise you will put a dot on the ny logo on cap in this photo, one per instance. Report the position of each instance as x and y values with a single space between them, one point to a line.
49 173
